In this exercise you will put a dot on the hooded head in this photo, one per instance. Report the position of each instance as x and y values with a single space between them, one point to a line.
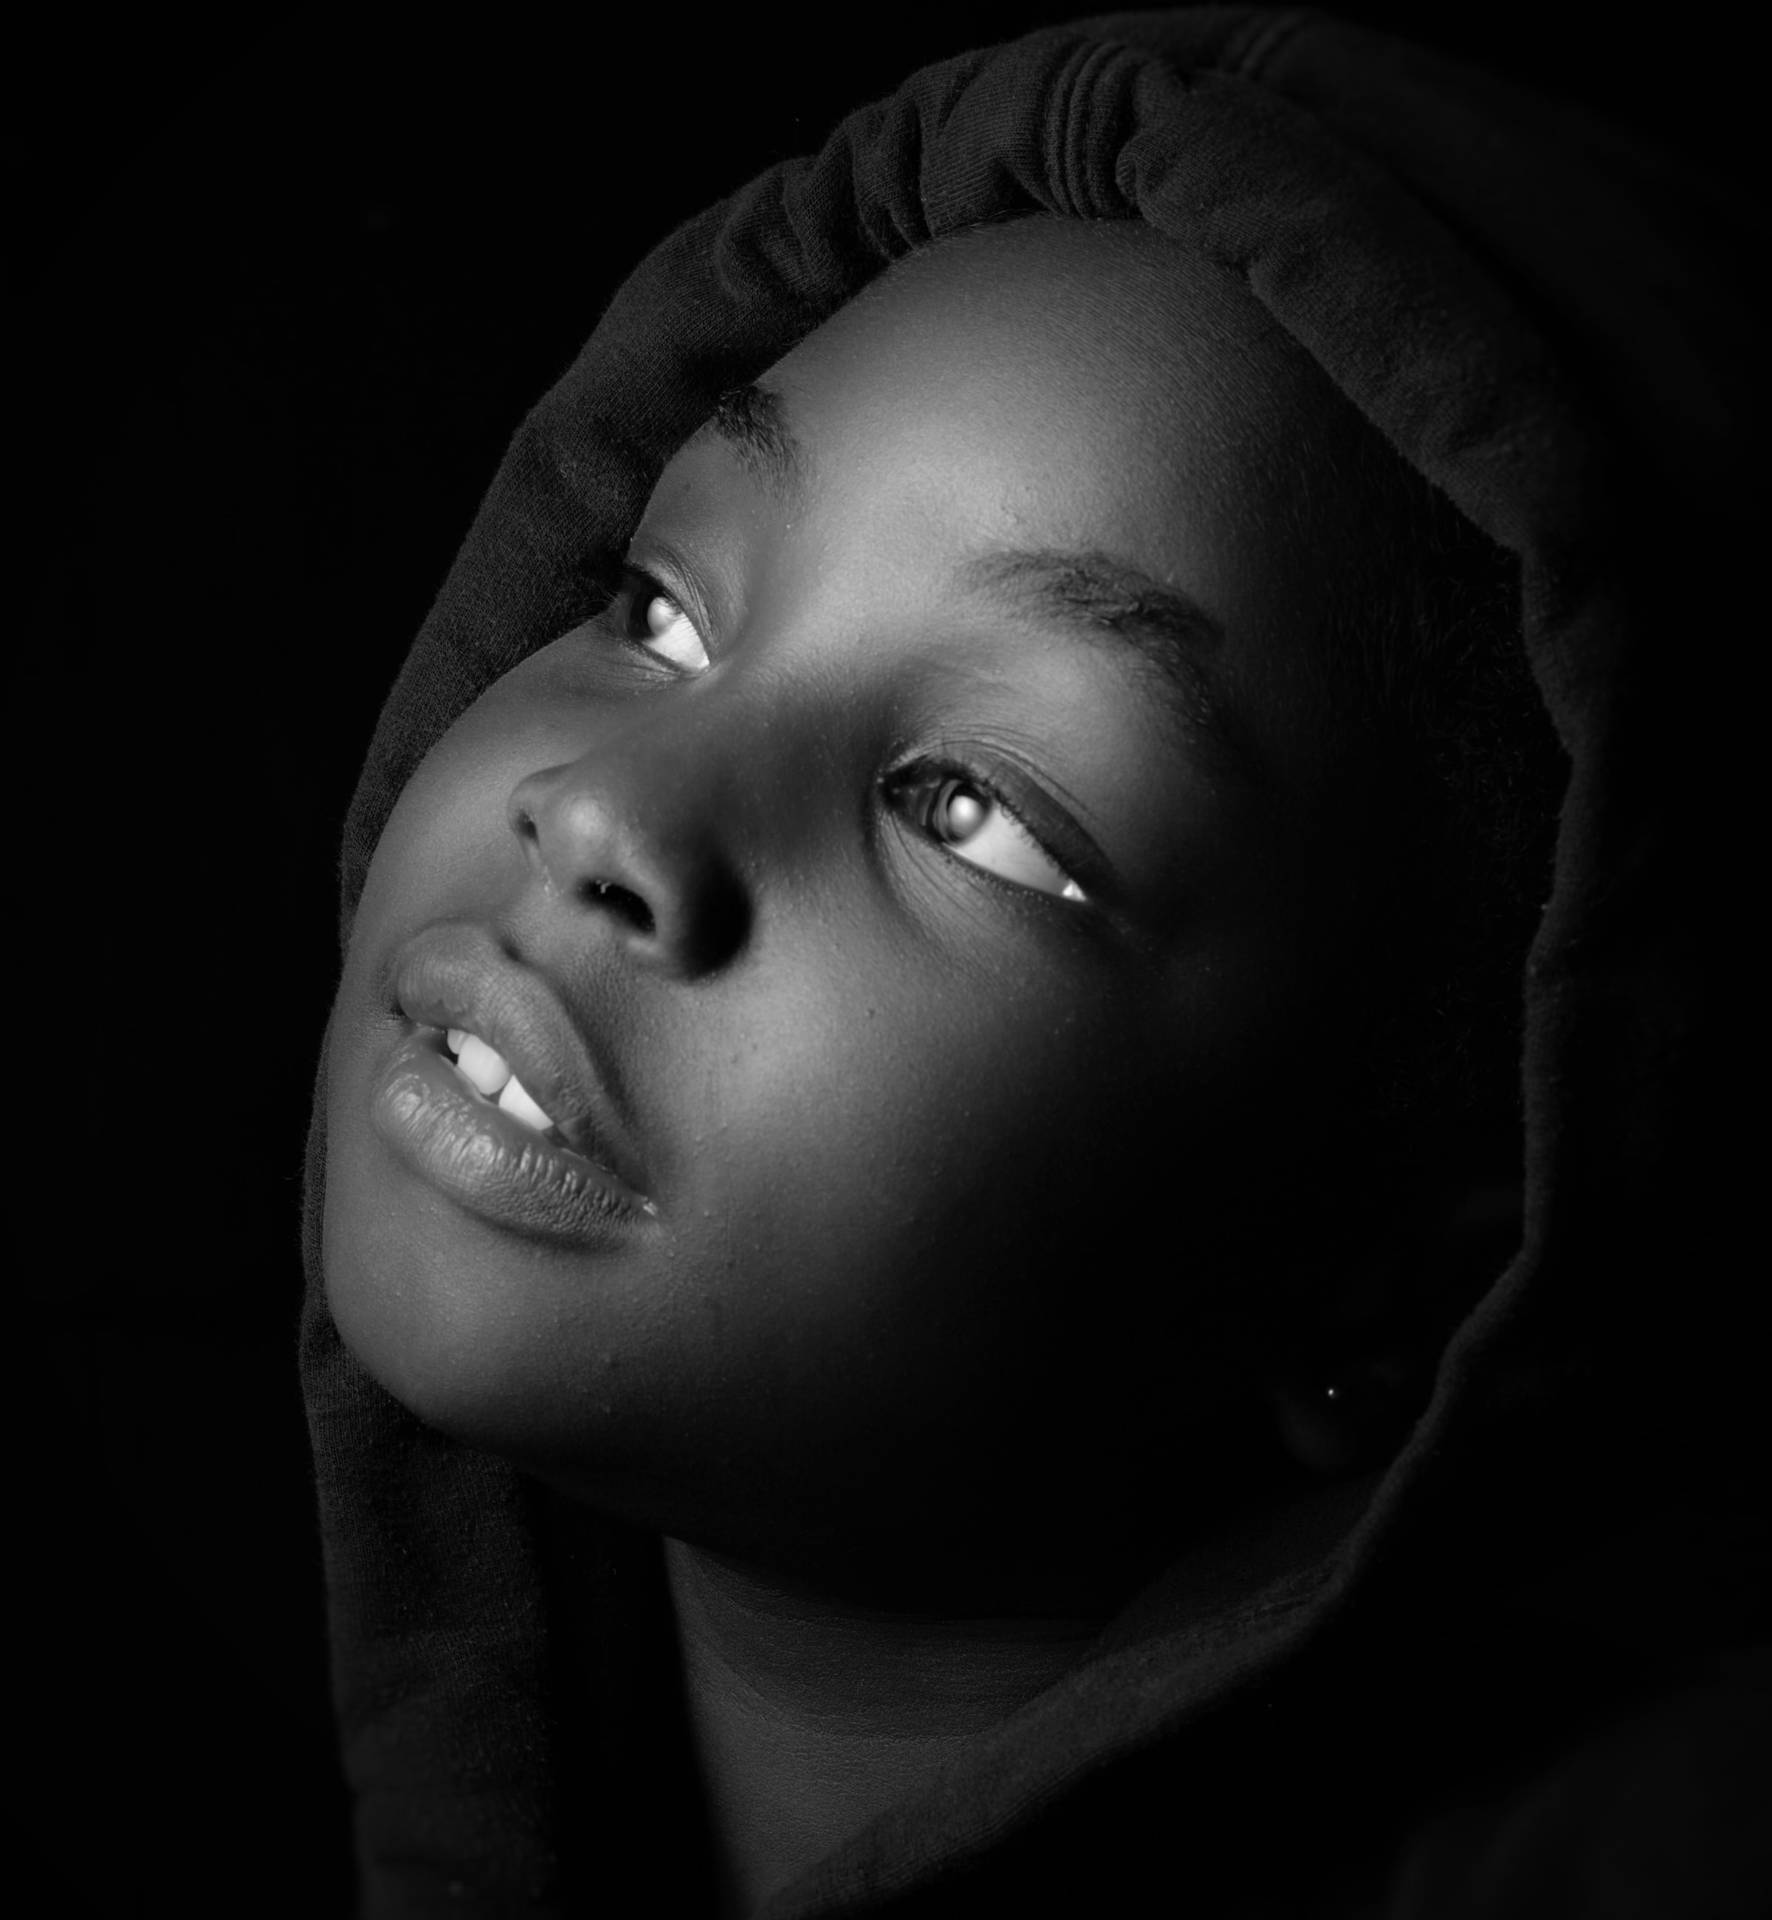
966 871
975 796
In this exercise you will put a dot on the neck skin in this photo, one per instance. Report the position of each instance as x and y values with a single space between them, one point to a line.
809 1717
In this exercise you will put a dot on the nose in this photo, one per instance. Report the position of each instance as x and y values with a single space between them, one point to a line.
636 835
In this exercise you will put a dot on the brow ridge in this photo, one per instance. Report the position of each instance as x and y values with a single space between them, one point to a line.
1099 595
752 421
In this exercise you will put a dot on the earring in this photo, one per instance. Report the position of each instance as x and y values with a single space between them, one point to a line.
1350 1416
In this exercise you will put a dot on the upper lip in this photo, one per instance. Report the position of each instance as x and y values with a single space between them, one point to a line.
456 975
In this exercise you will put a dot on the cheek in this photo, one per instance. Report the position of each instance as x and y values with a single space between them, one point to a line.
897 1155
972 1226
947 1180
447 834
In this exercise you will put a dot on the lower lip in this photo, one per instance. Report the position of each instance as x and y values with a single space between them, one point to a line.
490 1164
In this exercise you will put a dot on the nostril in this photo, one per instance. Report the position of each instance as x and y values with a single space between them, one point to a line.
618 900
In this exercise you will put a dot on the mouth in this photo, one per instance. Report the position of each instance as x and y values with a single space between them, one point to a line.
489 1093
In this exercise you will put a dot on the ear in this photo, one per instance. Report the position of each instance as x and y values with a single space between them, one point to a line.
1348 1391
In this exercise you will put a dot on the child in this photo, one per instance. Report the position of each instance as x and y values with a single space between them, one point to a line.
925 1071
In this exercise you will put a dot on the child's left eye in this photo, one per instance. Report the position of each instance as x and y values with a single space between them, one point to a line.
976 827
670 634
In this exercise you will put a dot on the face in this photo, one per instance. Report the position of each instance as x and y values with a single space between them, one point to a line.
935 1017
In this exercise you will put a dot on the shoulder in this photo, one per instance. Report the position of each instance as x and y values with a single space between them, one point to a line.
1661 1813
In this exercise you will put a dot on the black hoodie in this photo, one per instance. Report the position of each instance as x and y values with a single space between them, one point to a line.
1525 1673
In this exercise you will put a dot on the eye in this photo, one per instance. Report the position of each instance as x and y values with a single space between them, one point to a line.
667 632
648 617
976 827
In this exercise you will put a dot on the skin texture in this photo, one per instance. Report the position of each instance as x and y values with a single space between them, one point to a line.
967 1194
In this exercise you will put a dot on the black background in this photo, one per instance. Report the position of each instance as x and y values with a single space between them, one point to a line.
294 285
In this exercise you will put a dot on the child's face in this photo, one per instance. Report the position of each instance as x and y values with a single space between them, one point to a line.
953 1180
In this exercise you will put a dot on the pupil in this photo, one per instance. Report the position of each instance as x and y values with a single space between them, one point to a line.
960 811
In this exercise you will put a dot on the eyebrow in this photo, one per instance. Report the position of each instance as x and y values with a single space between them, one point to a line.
752 421
1090 593
1099 596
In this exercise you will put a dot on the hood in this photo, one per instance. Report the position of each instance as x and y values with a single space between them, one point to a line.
1546 318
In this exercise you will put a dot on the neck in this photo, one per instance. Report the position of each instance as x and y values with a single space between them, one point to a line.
810 1716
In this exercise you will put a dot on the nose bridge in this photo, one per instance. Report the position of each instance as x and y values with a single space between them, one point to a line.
652 770
644 830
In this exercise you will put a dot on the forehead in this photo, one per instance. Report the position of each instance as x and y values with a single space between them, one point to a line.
1070 381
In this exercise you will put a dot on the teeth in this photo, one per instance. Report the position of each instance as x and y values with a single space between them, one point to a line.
486 1069
491 1074
517 1102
